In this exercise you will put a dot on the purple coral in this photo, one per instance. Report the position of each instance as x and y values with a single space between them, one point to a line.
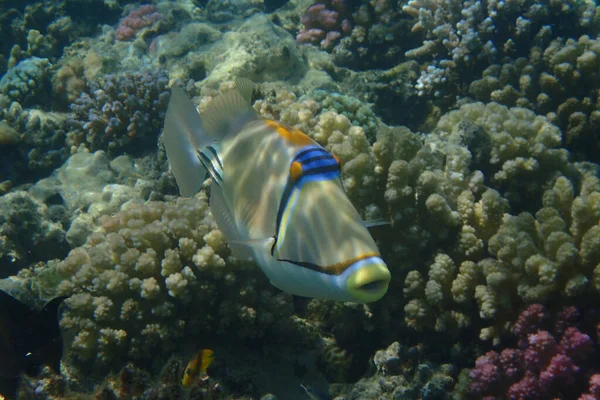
121 114
547 364
144 16
594 390
324 23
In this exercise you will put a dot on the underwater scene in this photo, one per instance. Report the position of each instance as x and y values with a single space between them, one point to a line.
299 199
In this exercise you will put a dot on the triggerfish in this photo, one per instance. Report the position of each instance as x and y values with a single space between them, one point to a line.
276 195
29 339
197 366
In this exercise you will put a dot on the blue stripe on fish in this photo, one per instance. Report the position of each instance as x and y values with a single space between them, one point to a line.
317 165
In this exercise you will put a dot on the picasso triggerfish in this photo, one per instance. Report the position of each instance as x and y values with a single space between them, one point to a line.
276 195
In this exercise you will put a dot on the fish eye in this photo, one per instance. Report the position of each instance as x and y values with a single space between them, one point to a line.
295 171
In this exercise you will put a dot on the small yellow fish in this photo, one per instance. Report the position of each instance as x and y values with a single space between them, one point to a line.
197 367
276 195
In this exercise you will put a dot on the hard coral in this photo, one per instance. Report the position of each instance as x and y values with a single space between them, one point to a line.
325 23
27 233
151 276
144 16
559 80
121 113
547 364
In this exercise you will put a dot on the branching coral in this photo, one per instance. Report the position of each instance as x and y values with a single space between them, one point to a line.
153 275
27 233
535 258
464 35
523 151
559 80
121 113
550 361
324 23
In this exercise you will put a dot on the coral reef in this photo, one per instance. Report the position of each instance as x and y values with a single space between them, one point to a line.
258 50
133 285
519 153
560 81
26 83
144 16
30 231
401 372
120 114
39 144
485 173
552 359
325 23
463 35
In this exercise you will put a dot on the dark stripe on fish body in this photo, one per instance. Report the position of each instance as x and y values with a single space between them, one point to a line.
216 155
206 167
334 269
318 158
324 173
307 265
302 154
322 163
208 164
285 197
216 165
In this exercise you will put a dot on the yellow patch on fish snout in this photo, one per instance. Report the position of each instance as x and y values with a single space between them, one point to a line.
339 268
291 134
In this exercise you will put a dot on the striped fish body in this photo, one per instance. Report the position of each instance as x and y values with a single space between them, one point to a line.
277 196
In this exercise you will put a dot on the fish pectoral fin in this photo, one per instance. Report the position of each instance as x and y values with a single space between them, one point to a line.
244 249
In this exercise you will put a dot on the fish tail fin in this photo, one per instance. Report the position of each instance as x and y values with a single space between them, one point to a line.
183 136
191 139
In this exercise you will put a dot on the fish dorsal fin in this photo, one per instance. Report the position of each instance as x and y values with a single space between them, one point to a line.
246 88
227 113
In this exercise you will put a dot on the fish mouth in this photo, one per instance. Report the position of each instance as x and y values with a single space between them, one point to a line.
370 282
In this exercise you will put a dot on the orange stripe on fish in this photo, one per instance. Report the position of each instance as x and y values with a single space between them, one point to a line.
291 134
